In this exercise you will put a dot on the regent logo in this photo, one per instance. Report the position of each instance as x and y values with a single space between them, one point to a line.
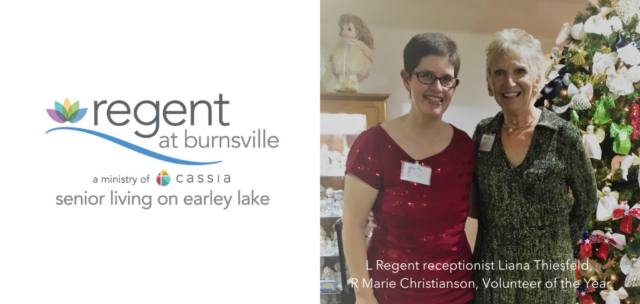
163 178
72 113
67 112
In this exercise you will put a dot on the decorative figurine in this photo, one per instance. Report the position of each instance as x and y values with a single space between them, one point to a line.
591 142
624 163
328 243
323 205
327 273
330 200
352 59
329 192
337 274
621 134
614 296
620 82
631 268
325 163
368 231
627 50
335 168
339 201
603 105
606 205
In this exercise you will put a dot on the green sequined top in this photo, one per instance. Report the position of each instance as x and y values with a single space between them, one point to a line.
526 214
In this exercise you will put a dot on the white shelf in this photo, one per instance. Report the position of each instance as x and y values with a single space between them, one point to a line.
330 215
330 175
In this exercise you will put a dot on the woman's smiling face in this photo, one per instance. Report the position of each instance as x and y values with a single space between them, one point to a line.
430 99
512 83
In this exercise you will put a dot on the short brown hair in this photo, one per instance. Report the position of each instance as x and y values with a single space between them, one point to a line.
426 44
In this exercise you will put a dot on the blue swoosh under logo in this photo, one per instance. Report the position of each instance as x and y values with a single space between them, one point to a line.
138 149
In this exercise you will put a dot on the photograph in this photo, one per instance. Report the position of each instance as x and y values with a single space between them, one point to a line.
497 160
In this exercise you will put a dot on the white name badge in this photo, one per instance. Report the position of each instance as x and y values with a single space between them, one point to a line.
487 142
415 173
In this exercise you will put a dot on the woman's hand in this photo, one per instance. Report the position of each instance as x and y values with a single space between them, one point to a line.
359 197
372 220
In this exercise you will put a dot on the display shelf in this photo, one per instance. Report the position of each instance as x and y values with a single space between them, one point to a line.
329 175
330 215
352 114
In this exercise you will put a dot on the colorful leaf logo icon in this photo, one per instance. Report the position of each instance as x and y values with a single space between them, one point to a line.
67 112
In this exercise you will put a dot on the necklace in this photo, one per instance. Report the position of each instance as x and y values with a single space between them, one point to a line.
510 129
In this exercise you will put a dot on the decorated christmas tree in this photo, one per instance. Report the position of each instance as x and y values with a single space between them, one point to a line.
593 83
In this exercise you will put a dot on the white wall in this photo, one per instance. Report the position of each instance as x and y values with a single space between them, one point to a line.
470 103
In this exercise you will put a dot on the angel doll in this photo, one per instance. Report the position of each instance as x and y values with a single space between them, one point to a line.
606 204
614 296
628 51
353 58
631 268
591 141
624 163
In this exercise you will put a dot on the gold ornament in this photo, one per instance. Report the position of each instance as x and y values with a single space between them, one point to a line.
578 58
598 78
578 80
606 50
587 267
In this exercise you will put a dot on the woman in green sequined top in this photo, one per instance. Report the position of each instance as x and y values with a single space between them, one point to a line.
527 159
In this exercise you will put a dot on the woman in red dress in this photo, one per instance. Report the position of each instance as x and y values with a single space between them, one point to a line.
415 173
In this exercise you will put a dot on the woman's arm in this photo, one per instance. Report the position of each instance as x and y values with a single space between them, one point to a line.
582 183
359 197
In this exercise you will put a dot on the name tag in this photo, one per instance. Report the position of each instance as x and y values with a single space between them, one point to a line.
415 173
487 142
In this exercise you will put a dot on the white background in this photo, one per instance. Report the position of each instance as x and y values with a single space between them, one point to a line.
261 55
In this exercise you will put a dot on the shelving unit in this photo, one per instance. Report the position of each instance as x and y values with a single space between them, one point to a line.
349 115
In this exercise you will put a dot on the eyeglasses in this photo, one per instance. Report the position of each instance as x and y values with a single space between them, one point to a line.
428 78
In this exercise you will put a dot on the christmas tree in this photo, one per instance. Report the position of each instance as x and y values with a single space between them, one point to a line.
593 83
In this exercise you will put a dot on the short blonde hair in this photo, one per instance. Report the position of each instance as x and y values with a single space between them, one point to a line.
509 42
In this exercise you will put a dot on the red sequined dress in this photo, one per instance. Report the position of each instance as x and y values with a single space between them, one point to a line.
415 222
